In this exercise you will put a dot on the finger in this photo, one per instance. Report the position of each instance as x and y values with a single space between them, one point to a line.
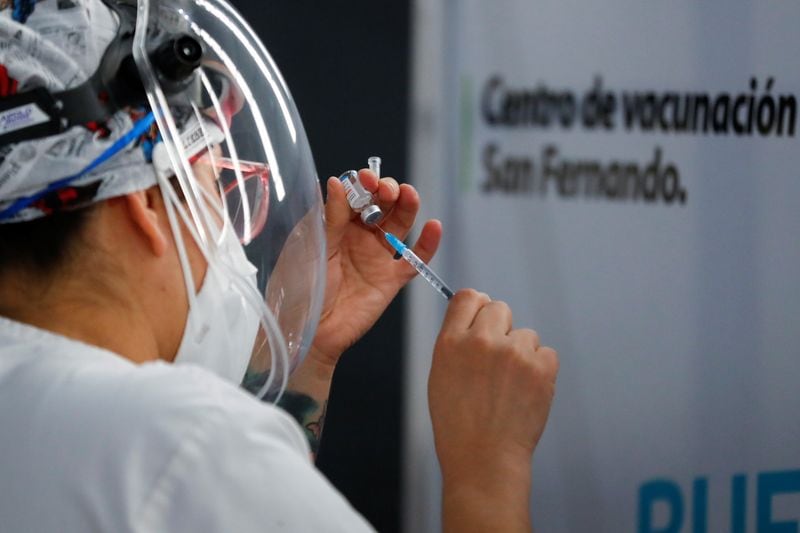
463 308
400 218
337 213
494 317
429 239
369 180
525 337
388 192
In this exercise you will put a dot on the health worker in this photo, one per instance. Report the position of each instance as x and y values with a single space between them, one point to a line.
175 295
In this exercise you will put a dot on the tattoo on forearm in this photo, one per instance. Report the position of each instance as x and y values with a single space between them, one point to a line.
308 414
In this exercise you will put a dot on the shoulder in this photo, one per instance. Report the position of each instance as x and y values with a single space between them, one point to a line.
99 441
174 402
97 389
242 466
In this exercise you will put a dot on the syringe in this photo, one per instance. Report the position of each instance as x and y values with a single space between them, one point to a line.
418 264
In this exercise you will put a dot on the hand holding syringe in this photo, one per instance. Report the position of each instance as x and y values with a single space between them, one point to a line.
363 202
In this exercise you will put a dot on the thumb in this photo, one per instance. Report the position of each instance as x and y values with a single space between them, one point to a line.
337 214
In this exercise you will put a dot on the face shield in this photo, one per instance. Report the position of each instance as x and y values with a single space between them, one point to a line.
234 164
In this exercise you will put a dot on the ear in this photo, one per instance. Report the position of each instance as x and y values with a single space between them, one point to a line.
147 212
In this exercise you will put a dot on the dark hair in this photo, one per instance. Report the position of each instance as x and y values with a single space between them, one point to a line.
43 244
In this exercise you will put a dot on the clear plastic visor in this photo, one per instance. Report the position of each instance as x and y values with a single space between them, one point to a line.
233 123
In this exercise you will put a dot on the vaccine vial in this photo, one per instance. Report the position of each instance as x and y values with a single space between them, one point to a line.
360 199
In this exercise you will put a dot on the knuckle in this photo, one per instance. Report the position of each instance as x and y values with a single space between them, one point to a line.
447 339
494 309
466 295
519 363
408 187
524 339
483 342
391 182
515 352
524 350
548 359
503 309
503 306
530 337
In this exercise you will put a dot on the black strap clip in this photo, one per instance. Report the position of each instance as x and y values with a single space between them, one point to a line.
29 115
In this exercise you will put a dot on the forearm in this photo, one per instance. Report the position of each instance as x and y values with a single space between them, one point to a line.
306 398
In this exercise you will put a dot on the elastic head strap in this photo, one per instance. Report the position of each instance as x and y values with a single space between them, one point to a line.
139 129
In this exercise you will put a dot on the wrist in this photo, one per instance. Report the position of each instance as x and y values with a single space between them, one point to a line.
479 494
489 475
488 469
317 366
306 397
324 359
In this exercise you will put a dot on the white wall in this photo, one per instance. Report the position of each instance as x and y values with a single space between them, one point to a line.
677 321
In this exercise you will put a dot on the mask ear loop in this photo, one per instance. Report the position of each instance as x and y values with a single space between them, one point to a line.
201 206
269 322
167 194
167 126
277 342
275 337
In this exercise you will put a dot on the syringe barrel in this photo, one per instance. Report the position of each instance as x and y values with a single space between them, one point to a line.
424 270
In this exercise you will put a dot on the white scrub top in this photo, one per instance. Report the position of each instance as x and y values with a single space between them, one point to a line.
92 442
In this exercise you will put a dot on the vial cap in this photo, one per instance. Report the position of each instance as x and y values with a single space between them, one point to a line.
371 214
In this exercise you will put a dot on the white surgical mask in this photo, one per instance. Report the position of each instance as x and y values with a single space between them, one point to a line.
221 327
